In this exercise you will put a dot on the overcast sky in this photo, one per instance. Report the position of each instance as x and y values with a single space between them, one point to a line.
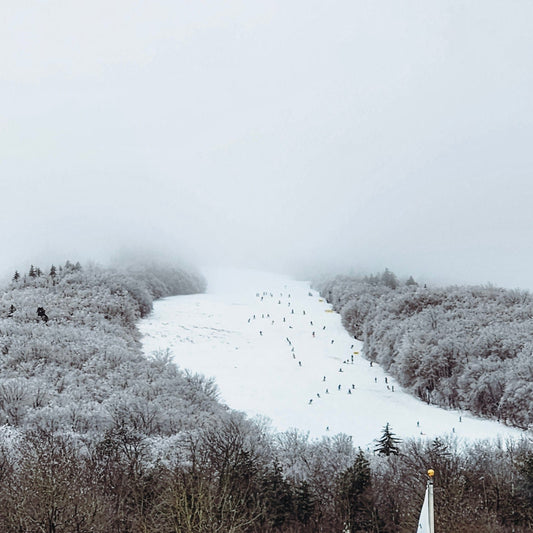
285 135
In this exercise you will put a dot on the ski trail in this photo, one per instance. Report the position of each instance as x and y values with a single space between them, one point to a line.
277 349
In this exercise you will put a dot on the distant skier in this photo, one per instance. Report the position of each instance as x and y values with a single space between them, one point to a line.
324 378
311 322
310 401
340 370
375 380
353 386
339 387
313 333
392 388
351 347
386 380
317 395
260 333
371 363
332 341
248 321
292 311
418 423
304 311
283 319
327 391
349 391
299 363
323 327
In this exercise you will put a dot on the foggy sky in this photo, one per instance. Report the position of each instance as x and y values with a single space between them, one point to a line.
287 135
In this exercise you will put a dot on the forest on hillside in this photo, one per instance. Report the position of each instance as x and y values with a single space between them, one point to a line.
97 438
467 347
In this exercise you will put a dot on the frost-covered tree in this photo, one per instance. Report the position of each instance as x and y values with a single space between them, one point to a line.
411 282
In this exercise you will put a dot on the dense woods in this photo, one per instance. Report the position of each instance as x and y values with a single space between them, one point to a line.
71 357
232 475
98 438
460 347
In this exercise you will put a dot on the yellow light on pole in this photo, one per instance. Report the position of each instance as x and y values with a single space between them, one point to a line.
431 472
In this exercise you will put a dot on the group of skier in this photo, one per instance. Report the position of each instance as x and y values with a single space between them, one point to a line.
283 299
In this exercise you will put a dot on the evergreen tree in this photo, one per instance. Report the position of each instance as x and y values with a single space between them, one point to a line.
411 282
277 497
304 505
354 495
389 279
388 442
32 273
16 276
53 272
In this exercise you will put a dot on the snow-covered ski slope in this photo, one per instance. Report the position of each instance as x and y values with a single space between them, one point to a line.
276 349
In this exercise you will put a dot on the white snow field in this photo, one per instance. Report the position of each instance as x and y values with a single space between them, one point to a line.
276 349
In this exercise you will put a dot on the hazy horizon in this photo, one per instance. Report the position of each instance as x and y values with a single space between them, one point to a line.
288 136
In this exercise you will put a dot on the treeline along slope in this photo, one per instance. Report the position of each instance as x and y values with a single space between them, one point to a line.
460 347
70 356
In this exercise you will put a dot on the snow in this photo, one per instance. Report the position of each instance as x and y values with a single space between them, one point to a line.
250 333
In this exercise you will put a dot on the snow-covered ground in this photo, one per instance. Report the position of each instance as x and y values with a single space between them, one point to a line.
276 349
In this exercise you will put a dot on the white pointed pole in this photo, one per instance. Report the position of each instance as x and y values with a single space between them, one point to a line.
426 522
431 513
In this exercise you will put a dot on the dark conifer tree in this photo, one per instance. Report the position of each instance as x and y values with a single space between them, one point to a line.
388 442
32 273
16 276
354 495
277 497
304 505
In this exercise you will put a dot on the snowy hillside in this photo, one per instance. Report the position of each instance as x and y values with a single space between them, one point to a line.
276 349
